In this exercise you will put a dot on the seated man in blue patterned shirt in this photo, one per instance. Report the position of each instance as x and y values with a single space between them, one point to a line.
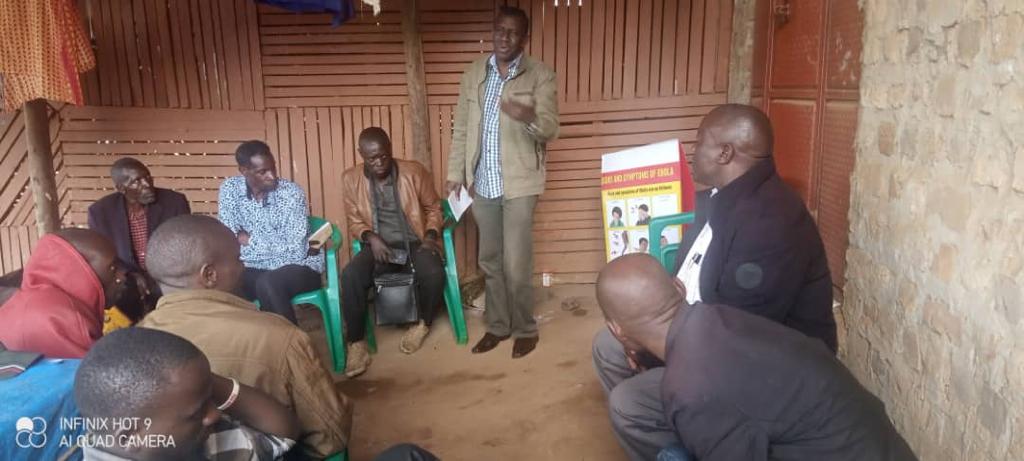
270 217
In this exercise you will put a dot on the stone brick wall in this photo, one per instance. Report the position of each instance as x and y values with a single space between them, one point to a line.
935 268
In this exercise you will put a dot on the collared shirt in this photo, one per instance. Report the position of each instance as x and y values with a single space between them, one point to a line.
229 441
689 273
265 351
277 225
393 227
489 183
138 227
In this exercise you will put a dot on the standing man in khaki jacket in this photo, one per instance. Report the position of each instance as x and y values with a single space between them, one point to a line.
507 112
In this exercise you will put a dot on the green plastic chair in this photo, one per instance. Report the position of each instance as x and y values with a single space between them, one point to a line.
328 298
667 255
452 294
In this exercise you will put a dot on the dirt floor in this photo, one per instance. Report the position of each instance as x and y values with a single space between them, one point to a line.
463 406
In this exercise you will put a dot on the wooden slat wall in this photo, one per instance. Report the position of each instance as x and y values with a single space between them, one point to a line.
18 233
309 63
180 82
13 169
632 49
16 244
193 54
454 35
190 151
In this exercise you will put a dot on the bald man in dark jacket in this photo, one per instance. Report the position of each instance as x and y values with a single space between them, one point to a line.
737 386
766 256
754 246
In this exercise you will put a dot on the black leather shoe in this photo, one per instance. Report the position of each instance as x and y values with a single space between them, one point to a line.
488 342
524 346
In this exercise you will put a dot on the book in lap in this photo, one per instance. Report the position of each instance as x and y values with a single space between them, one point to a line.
320 235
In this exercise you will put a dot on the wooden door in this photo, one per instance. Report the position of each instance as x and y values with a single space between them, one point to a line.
806 76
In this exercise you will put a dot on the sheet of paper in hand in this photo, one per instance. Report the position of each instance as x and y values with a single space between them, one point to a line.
459 202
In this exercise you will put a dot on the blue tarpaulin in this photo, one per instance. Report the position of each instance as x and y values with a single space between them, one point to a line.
33 408
343 10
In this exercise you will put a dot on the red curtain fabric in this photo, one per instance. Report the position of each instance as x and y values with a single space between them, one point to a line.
43 49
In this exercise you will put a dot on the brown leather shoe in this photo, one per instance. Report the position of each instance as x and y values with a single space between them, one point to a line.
523 346
488 342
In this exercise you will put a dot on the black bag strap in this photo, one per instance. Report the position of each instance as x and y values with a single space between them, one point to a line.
393 176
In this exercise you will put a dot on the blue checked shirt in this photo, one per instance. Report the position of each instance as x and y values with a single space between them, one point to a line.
488 172
277 226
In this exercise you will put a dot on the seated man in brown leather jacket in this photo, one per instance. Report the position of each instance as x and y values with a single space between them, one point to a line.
388 204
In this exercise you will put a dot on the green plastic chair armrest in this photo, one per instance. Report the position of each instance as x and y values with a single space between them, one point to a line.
452 293
658 225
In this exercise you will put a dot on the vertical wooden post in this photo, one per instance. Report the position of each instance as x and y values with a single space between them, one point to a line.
415 81
40 166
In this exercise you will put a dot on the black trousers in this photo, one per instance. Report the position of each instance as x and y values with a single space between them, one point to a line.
275 289
357 280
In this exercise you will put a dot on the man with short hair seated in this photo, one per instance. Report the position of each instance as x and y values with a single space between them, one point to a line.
737 386
159 389
66 284
389 204
269 216
127 218
753 246
196 261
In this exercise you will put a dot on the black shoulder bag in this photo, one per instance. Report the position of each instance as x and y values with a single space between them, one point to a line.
395 298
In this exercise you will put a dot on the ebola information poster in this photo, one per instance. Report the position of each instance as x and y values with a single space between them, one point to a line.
636 185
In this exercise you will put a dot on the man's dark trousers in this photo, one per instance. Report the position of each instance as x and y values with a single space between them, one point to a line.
357 280
275 289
